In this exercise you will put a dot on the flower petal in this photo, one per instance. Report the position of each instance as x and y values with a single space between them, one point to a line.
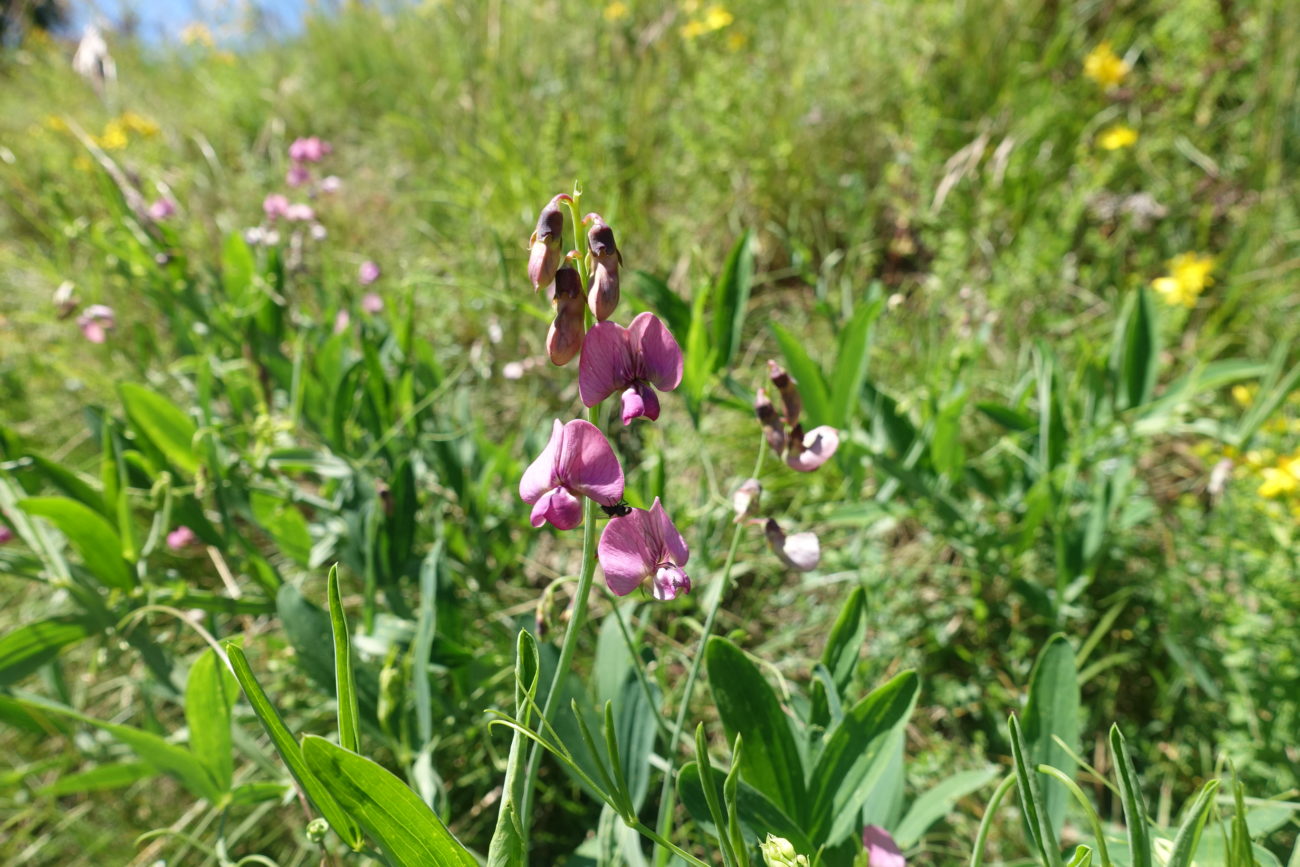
657 350
818 445
605 363
882 851
801 551
540 475
633 405
560 507
669 583
624 552
587 465
666 534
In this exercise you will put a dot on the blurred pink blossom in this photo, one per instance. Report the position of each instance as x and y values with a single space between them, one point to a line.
341 321
882 851
297 175
331 184
372 303
309 150
275 205
96 322
181 538
368 273
299 213
162 208
6 535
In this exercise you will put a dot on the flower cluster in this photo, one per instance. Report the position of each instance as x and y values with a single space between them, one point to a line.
802 451
1105 67
1117 137
635 361
1189 274
276 207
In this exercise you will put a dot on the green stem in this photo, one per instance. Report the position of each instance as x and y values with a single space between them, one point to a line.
667 794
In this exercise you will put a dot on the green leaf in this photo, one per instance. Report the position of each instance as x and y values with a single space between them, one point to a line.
27 648
237 267
1189 832
697 373
851 360
757 814
164 425
937 802
410 834
748 706
659 297
731 300
840 655
113 775
1135 357
1031 800
93 537
1053 710
285 524
164 756
209 693
508 848
713 799
1011 419
634 724
1130 792
344 684
854 758
812 385
1082 857
306 625
290 752
68 482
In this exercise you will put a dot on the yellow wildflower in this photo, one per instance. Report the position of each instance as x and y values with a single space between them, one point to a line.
139 124
1105 67
693 28
616 11
1281 479
56 123
1189 274
1244 395
197 34
114 137
1118 136
717 18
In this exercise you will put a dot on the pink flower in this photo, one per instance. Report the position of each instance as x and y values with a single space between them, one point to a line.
6 535
181 538
632 359
578 461
297 175
331 184
96 322
882 851
368 273
372 303
806 452
644 544
161 209
274 206
299 213
309 150
341 321
801 551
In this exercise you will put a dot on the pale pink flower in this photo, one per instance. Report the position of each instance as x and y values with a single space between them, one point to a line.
331 184
806 452
368 273
882 851
644 544
275 206
341 321
372 303
161 209
577 462
299 213
96 322
309 150
801 551
181 538
297 176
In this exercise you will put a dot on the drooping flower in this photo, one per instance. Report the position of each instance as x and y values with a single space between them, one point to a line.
801 551
66 300
545 244
1189 274
96 322
1115 137
603 262
806 452
309 150
785 385
564 338
631 359
162 208
275 206
368 273
882 851
180 538
577 462
644 544
744 497
1105 67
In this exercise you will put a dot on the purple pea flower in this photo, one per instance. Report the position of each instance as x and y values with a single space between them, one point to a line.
161 209
882 851
633 359
578 461
96 322
274 206
644 544
806 452
372 303
367 273
181 538
297 176
309 150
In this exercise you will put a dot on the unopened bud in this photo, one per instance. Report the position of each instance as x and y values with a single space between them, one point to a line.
780 852
317 829
604 261
789 390
800 551
773 429
567 330
745 496
545 253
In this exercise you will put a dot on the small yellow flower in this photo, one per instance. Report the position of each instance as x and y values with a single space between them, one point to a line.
1105 67
616 11
693 28
114 137
717 18
139 124
197 34
1244 395
1281 479
1118 136
1189 274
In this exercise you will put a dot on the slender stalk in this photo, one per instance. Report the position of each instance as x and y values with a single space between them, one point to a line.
667 794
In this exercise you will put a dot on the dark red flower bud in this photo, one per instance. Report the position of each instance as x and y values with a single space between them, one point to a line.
603 260
789 390
545 243
773 429
567 330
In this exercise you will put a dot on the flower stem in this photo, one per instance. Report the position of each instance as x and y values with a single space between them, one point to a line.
667 794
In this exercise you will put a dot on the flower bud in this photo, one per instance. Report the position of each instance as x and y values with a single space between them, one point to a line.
604 260
779 852
745 496
547 238
772 426
567 330
800 551
789 390
317 829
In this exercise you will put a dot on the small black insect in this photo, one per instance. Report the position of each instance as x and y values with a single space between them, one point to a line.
619 510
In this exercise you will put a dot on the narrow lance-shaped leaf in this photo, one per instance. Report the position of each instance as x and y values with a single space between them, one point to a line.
1031 800
1130 791
1189 832
209 694
94 538
167 428
1053 712
344 684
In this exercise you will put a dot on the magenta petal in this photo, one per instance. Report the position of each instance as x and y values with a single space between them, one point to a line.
605 362
660 356
669 583
633 405
818 445
666 533
649 400
624 553
563 509
540 475
94 332
587 465
882 851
